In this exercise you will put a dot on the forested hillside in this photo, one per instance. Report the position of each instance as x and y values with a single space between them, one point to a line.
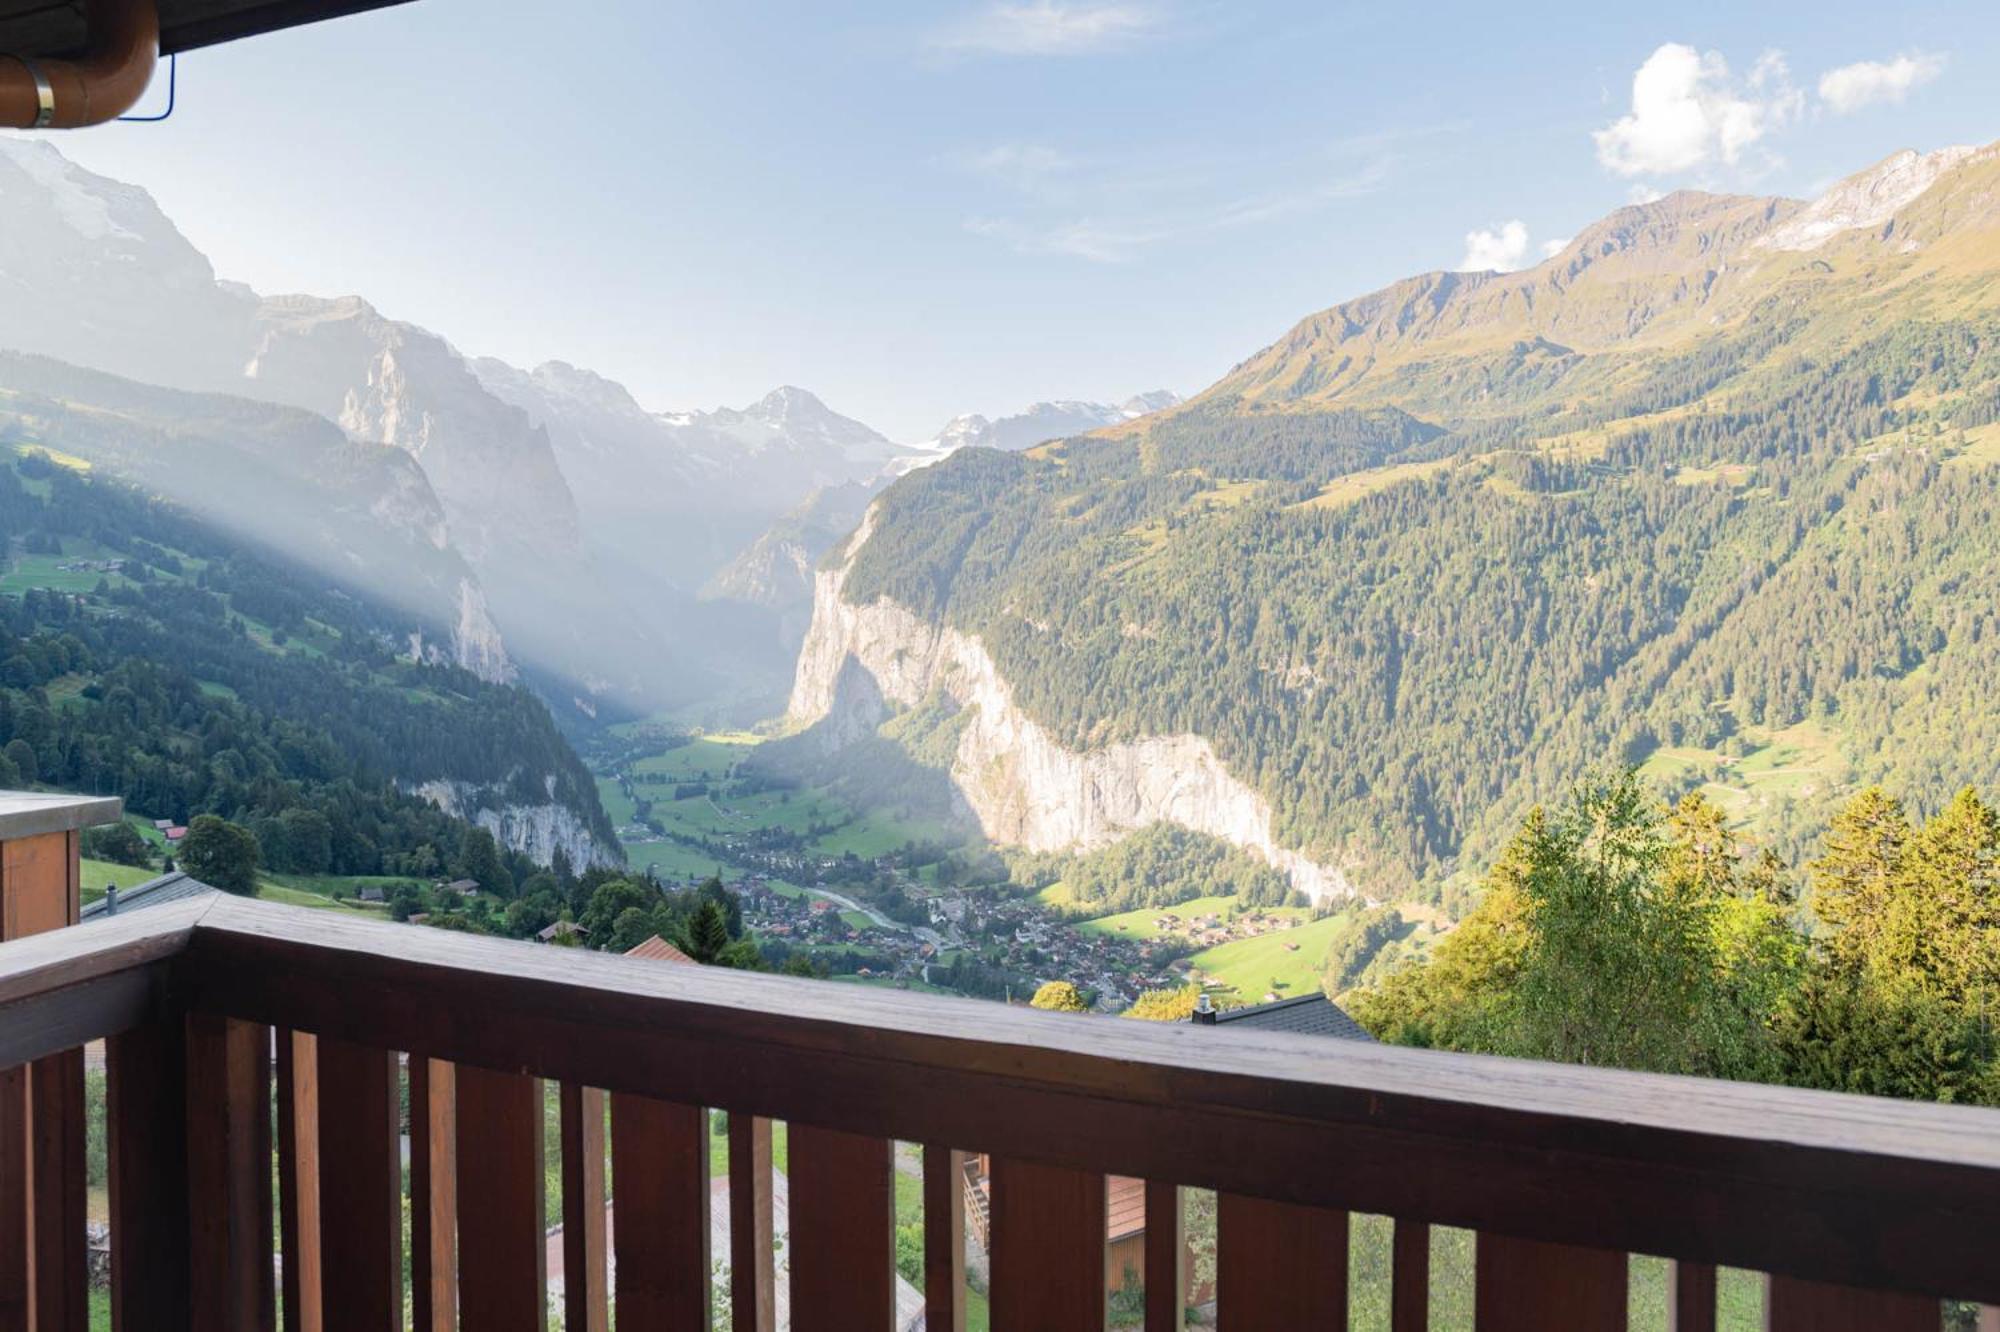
144 655
1416 568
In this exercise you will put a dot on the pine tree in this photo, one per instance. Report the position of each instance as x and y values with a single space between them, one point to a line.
707 933
1853 880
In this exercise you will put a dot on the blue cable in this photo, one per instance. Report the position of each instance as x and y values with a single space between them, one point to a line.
173 70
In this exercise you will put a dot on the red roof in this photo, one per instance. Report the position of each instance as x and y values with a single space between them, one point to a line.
656 947
1125 1207
174 834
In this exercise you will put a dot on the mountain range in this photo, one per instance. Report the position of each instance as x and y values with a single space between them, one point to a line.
1712 490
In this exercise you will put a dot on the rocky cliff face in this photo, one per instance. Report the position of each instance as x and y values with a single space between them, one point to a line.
1023 786
536 831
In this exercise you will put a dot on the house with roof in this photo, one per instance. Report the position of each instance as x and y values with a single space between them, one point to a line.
175 886
564 930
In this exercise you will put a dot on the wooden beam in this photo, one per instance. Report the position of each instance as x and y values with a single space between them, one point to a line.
1791 1305
1279 1265
502 1250
146 1125
1166 1258
586 1297
659 1168
1048 1247
57 1266
14 1199
1866 1190
231 1286
433 1196
1526 1286
1410 1277
944 1239
298 1180
360 1187
842 1244
1690 1297
752 1243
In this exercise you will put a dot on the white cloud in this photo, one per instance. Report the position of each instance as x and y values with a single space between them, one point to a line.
1502 249
1866 82
1552 248
1049 28
1689 113
1023 166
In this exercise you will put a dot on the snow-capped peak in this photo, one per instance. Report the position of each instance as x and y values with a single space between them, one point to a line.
70 189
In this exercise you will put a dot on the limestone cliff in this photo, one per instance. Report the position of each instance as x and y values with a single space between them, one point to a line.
1023 786
537 831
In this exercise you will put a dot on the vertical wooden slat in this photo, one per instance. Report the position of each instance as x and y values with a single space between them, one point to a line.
360 1187
1166 1258
1279 1265
1791 1305
1527 1286
298 1180
1690 1297
1410 1278
752 1252
660 1221
14 1199
842 1242
944 1239
502 1249
586 1301
433 1196
1048 1247
37 893
231 1283
56 1220
146 1124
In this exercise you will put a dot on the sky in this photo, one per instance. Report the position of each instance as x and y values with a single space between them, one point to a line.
917 210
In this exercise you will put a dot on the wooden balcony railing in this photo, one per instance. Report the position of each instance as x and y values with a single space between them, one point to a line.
1866 1212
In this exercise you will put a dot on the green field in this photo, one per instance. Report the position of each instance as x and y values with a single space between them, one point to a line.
1138 924
1797 763
32 571
93 875
1286 961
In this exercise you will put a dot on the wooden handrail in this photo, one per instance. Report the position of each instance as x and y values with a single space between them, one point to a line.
1853 1190
64 987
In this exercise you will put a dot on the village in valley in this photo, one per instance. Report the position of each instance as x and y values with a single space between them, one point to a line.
891 898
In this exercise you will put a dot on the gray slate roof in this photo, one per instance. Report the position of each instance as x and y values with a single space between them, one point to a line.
1307 1014
173 887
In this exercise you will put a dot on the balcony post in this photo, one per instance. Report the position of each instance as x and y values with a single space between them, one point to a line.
146 1112
229 1205
41 1108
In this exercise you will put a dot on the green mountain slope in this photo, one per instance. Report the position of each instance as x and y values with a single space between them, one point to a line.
1720 471
145 654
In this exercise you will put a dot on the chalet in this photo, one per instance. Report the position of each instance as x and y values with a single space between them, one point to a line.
176 886
463 887
1302 1015
370 892
176 832
562 929
659 950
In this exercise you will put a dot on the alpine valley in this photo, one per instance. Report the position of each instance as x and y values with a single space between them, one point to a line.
1714 491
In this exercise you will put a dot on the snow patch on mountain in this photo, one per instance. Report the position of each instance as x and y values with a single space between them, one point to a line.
1866 199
